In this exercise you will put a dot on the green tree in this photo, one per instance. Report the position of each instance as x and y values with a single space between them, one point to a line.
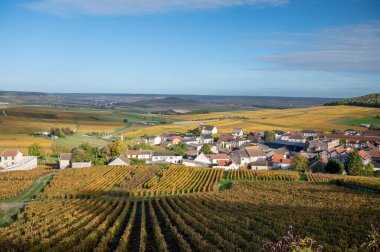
269 136
300 163
116 149
36 150
206 149
334 166
179 149
354 164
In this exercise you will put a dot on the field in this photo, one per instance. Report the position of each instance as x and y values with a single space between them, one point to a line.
21 121
112 209
318 118
238 219
361 120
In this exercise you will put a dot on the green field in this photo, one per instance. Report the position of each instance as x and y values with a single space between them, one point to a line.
361 120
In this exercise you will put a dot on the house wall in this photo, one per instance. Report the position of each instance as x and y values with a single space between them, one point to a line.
63 164
80 164
26 163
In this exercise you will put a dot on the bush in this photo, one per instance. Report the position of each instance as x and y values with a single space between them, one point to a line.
334 166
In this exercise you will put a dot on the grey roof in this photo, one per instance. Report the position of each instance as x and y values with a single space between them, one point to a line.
66 156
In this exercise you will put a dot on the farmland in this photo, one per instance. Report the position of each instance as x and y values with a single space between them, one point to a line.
318 118
240 218
22 121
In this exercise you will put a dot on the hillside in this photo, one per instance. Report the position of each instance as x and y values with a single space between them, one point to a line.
371 100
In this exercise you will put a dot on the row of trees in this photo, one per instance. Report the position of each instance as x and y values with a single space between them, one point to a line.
354 165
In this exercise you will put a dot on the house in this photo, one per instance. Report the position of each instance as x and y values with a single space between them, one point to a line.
246 156
293 137
195 146
323 144
152 140
258 165
350 132
309 133
139 154
278 161
64 160
206 139
366 158
14 160
214 158
165 157
214 149
193 163
191 154
226 141
10 157
175 139
237 132
202 158
207 129
227 165
120 160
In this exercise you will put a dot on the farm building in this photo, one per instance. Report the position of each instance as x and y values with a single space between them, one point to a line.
14 160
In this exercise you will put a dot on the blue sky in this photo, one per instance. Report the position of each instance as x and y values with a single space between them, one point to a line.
325 48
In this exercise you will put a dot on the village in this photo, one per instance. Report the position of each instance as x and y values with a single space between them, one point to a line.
305 150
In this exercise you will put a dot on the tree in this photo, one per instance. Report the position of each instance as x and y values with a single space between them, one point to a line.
58 148
195 132
206 149
179 149
116 149
36 150
269 136
334 166
354 163
300 163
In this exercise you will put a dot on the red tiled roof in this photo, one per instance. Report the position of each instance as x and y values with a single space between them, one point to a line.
10 153
364 154
224 162
374 153
218 156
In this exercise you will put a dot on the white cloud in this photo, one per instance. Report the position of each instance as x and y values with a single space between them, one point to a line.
128 7
353 48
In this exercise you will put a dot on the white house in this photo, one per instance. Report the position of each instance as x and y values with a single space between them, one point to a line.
15 161
139 154
64 160
188 162
206 139
246 156
10 157
202 158
208 129
227 165
152 140
214 158
237 132
293 137
258 165
166 157
120 160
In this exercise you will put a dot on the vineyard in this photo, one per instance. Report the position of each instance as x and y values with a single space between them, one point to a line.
321 177
15 182
239 219
262 175
181 179
364 182
96 181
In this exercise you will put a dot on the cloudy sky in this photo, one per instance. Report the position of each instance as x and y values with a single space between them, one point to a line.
319 48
